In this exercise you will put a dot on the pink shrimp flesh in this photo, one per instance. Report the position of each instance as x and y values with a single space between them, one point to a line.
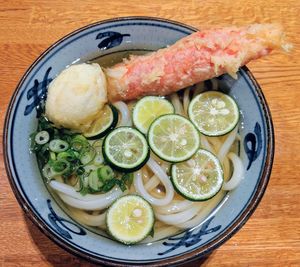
195 58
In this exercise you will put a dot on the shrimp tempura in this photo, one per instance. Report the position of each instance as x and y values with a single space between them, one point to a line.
195 58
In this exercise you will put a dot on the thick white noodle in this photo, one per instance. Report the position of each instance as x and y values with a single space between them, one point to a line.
138 183
176 213
227 144
175 206
88 202
186 99
199 89
145 175
207 207
216 143
164 179
177 104
125 114
70 191
165 166
152 183
226 168
206 145
238 172
88 219
97 204
180 217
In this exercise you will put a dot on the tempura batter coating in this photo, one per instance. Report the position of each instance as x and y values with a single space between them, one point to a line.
195 58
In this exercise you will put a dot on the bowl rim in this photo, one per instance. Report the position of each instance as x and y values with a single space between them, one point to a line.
183 258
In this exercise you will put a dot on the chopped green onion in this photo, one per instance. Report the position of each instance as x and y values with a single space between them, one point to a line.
83 189
98 160
47 172
127 179
43 154
105 173
42 137
44 124
109 184
87 156
85 180
52 156
94 182
79 143
58 145
64 153
60 166
80 171
68 155
97 145
84 184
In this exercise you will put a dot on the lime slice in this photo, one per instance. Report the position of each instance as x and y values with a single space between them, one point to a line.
130 219
173 138
102 125
148 109
199 178
126 149
214 113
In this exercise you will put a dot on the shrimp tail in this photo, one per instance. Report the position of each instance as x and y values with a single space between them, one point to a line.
195 58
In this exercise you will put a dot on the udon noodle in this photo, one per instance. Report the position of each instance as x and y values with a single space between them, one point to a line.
152 182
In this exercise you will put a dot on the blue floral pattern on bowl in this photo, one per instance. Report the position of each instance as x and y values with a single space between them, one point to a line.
99 40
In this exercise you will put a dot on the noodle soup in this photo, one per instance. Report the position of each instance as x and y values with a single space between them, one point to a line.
172 210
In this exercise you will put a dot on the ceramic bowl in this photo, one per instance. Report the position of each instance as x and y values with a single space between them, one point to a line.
103 39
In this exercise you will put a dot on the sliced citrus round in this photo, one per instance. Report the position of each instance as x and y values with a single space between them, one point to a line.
173 138
213 113
126 149
130 219
148 109
106 121
199 178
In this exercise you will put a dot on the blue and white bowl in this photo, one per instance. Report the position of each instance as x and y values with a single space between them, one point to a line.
99 40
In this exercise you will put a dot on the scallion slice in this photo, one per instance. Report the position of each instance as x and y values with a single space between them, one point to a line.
42 137
58 145
68 155
79 143
88 155
47 172
94 182
60 167
105 173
